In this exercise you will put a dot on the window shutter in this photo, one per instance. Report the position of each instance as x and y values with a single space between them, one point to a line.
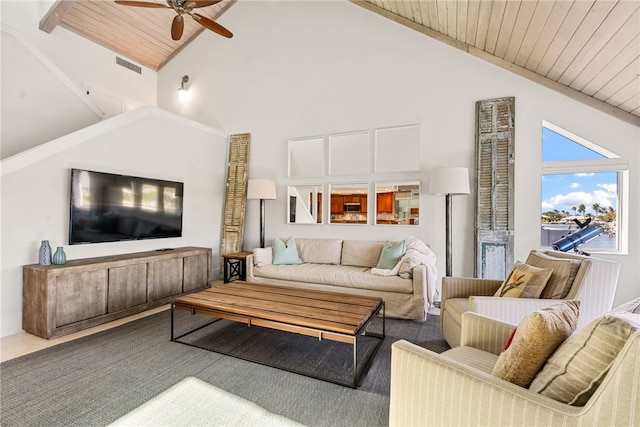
236 193
495 159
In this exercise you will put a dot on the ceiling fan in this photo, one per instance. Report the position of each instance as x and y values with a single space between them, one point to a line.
183 7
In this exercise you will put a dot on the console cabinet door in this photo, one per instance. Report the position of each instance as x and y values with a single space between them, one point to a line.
127 286
80 296
196 272
165 278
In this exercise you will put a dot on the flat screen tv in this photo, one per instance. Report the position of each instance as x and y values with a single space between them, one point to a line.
107 207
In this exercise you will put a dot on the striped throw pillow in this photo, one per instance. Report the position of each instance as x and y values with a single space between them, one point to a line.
576 369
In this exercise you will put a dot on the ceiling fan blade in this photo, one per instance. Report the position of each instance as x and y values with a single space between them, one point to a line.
213 26
177 27
141 4
195 4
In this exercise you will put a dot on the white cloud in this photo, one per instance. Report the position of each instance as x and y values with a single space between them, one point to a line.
611 188
574 185
585 174
576 198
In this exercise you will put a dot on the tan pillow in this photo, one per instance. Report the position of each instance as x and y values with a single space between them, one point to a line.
524 281
574 372
535 338
561 280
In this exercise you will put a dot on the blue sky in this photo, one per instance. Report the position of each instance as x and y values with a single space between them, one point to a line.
563 192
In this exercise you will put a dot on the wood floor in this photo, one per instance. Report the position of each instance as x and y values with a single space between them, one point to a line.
22 343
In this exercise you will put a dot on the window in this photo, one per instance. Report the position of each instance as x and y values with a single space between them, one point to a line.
581 183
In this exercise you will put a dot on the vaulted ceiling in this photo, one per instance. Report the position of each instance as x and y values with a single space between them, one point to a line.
586 49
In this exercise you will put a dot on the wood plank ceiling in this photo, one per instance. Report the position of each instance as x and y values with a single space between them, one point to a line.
586 49
140 34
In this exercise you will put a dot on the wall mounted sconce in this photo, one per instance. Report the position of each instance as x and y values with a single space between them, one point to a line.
183 92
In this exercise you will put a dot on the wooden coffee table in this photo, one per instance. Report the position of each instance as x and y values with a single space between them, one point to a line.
325 315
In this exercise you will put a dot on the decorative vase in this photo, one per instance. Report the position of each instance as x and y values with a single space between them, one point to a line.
45 253
59 257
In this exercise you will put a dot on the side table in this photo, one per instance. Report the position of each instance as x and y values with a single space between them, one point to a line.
235 266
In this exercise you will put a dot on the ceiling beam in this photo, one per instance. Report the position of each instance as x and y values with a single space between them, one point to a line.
521 71
55 15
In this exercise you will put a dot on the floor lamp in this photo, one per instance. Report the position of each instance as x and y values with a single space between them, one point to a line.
263 189
449 181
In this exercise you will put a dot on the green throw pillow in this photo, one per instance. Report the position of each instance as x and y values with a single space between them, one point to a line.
285 253
391 255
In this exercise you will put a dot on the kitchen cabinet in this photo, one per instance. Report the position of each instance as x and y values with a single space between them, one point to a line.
337 204
385 203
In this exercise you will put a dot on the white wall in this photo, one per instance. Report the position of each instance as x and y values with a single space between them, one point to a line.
147 142
83 61
84 64
296 69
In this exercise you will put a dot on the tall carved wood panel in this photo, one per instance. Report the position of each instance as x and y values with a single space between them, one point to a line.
236 193
495 160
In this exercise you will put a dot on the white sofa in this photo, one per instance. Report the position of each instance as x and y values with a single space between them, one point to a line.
346 266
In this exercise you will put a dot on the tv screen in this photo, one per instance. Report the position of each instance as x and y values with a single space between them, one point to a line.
107 207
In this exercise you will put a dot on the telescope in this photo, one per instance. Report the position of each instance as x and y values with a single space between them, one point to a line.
585 233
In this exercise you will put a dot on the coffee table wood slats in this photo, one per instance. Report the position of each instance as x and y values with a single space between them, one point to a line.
274 310
314 317
286 304
347 307
307 293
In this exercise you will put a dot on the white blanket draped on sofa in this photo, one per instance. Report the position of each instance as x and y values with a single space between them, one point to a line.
417 253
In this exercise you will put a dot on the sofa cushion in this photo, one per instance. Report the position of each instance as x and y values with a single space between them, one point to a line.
564 273
391 255
335 275
524 281
576 369
535 338
319 251
285 252
361 253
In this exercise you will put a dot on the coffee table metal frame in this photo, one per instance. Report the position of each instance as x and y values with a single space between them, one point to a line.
288 327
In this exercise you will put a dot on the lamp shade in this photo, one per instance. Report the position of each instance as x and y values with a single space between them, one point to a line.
264 189
449 181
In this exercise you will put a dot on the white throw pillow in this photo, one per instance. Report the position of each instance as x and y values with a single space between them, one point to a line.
262 256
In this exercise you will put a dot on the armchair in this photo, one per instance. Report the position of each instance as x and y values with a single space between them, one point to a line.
592 281
457 387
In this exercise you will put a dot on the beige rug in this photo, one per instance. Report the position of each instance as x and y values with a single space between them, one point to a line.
193 402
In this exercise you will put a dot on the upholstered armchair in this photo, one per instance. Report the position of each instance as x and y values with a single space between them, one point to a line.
457 387
591 280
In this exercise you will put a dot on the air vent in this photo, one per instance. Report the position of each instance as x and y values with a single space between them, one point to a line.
129 65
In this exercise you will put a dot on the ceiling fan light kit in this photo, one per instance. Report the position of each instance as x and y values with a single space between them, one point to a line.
183 7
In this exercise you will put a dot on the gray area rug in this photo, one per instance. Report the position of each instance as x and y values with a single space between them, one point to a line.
95 380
